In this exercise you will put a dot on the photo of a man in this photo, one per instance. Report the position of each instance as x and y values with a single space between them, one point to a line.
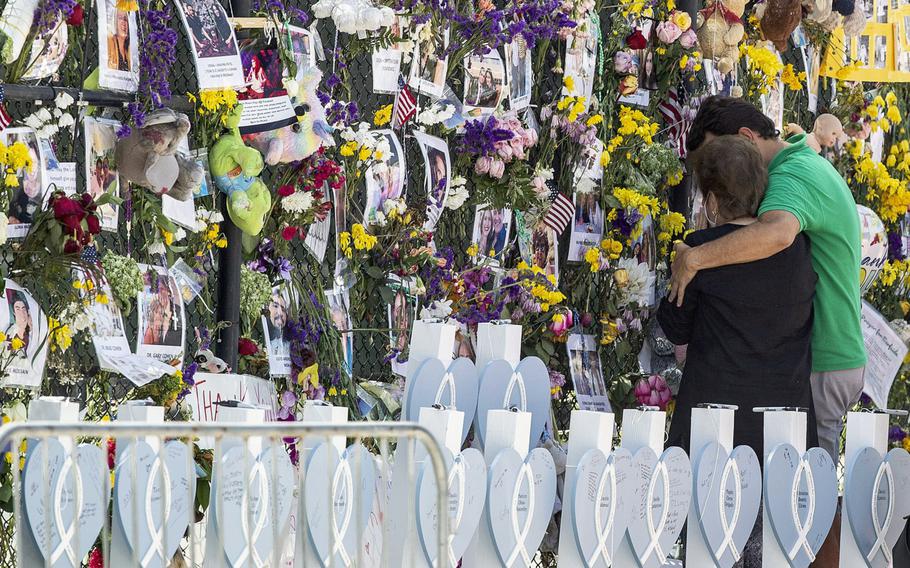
491 232
161 319
276 322
484 80
519 68
587 374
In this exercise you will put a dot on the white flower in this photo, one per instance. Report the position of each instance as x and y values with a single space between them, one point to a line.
66 120
44 115
396 204
385 148
298 202
16 411
586 185
47 130
438 309
156 248
179 235
63 100
380 219
458 194
4 223
32 121
323 8
637 290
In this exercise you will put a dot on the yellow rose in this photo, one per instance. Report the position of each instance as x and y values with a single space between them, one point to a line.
621 277
682 20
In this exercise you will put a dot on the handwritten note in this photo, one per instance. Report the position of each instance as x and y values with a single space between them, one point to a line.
211 388
886 352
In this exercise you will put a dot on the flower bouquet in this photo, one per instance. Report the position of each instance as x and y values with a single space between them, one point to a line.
302 199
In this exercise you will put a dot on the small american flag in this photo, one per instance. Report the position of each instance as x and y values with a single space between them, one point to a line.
5 119
560 212
677 121
405 105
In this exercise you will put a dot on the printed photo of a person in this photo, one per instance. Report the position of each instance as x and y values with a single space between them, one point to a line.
519 72
162 315
20 316
437 179
484 79
543 249
276 322
26 199
118 38
210 30
263 74
491 231
400 321
384 181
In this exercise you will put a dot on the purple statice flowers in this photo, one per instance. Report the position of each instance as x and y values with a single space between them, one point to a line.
895 246
47 15
480 136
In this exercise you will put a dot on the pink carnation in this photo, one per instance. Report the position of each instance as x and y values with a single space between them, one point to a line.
668 32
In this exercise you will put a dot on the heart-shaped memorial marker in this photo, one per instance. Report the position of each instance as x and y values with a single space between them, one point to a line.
66 526
727 498
253 503
603 505
339 499
455 387
801 507
520 499
877 499
165 483
467 475
527 387
664 493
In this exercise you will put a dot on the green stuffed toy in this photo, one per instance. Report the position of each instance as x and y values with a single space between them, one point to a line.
234 167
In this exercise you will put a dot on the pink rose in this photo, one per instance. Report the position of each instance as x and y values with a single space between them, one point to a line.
653 391
529 137
668 32
482 165
497 168
688 39
504 151
624 63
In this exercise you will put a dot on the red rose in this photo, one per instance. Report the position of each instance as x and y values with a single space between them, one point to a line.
76 16
94 226
71 222
636 40
288 233
64 206
285 190
246 346
71 247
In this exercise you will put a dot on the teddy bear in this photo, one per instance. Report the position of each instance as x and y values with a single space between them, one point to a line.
235 167
719 28
301 139
148 157
778 20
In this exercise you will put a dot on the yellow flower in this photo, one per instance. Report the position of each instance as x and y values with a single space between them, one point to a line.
905 307
221 243
347 149
791 78
906 443
682 20
604 158
522 265
364 154
17 344
377 155
309 375
127 5
569 83
610 332
894 113
594 120
383 115
592 257
2 337
333 391
168 237
473 250
683 61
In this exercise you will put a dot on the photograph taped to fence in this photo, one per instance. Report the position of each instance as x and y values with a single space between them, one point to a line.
118 48
213 44
437 173
28 197
162 321
48 52
108 334
101 166
26 329
274 327
266 104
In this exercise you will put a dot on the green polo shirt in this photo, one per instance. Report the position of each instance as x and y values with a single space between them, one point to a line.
807 185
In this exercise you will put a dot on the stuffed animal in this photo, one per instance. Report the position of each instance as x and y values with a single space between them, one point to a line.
190 175
300 140
826 132
719 28
855 23
778 20
148 156
844 7
234 167
817 10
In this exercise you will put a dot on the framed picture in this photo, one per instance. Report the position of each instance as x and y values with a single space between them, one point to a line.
587 374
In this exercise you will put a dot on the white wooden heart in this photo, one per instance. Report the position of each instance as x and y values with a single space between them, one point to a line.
665 491
65 500
802 505
165 483
339 499
877 500
253 497
467 476
526 387
456 386
520 499
602 503
727 499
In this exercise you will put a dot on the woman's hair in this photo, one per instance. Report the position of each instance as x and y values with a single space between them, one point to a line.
732 169
721 115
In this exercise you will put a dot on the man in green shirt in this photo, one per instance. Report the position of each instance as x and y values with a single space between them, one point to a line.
805 194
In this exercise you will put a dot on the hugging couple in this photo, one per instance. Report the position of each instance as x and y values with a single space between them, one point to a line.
767 297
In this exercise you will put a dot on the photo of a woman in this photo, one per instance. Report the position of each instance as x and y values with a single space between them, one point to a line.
519 66
491 232
118 38
483 82
21 319
101 167
162 322
263 73
384 180
437 179
209 29
26 199
540 249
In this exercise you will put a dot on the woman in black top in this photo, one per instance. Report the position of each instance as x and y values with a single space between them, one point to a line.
747 326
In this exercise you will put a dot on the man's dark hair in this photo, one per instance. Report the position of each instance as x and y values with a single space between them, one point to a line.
732 169
726 115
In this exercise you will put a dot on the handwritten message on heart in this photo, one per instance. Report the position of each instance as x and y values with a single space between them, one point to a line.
802 505
65 500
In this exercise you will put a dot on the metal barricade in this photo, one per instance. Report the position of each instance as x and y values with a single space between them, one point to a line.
378 434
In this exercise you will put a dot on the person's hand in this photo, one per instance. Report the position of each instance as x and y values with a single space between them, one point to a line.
682 273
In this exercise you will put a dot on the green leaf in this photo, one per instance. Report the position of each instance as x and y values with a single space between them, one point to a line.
548 347
374 271
387 294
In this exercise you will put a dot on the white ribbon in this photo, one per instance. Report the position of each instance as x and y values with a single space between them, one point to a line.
881 530
521 533
65 545
157 544
654 532
728 525
448 382
516 380
603 531
339 532
802 530
257 474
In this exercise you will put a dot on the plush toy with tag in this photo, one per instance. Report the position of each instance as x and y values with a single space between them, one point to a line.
235 167
778 20
300 140
148 156
719 28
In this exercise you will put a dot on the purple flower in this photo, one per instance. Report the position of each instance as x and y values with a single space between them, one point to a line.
896 434
895 246
48 14
480 136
